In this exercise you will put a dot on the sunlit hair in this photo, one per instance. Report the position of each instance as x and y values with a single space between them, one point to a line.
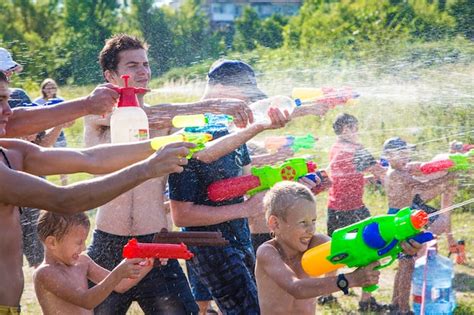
282 196
109 55
3 77
43 85
343 120
58 225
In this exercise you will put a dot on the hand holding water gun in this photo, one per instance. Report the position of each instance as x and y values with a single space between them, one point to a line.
454 162
262 178
326 95
199 139
366 242
274 143
133 249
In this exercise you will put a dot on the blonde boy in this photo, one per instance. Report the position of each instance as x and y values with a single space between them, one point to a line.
283 286
61 280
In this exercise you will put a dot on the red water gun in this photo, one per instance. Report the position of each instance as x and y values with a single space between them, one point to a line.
262 178
454 162
133 249
128 93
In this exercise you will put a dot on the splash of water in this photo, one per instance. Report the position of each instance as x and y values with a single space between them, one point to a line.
455 206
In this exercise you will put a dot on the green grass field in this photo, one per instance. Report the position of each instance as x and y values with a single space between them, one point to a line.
426 105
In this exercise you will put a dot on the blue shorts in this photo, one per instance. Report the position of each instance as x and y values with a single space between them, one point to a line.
164 290
227 272
200 291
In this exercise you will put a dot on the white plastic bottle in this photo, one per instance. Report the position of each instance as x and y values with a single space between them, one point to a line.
260 108
128 123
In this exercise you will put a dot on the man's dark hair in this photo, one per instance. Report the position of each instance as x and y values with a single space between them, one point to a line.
343 120
3 77
109 55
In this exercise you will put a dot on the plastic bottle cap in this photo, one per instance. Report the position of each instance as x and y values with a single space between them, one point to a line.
419 219
298 102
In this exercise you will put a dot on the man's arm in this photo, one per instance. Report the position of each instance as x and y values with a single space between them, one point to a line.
27 121
22 189
225 145
189 214
159 116
269 259
100 159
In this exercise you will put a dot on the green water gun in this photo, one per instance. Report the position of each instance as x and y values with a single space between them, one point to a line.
262 178
199 139
367 241
454 162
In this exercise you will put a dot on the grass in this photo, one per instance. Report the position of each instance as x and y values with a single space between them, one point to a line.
424 96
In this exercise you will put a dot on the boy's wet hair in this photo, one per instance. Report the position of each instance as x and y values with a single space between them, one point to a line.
109 55
58 225
3 77
282 196
343 120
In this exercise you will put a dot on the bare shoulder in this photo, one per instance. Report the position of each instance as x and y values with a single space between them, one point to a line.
267 251
15 144
45 273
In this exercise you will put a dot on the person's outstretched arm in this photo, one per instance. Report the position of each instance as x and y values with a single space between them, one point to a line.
22 189
269 259
30 120
225 145
100 159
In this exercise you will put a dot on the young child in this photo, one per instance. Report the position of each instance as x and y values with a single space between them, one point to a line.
405 190
283 286
61 280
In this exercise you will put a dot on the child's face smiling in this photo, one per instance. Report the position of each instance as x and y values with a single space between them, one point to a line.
72 245
297 230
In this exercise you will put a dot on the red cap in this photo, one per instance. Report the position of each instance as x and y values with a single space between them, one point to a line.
127 94
418 219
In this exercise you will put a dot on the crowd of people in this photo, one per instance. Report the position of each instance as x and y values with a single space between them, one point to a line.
258 271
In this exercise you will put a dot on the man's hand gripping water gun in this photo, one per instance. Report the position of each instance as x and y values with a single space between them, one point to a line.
199 139
367 241
262 178
454 162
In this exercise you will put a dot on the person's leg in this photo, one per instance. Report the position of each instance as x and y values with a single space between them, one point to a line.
403 278
201 294
32 247
224 272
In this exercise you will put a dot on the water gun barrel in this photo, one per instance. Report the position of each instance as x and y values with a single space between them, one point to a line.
197 238
436 166
325 95
197 138
133 249
230 188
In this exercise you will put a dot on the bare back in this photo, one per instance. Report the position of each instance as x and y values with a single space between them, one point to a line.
269 291
11 272
399 189
141 210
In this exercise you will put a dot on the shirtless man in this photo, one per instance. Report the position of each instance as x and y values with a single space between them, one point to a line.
164 288
19 159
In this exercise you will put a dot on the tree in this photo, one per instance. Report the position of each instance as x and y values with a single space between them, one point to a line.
247 28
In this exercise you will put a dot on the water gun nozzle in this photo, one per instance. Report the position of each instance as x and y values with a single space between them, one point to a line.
419 219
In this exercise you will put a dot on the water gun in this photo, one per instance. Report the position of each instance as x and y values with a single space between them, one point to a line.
133 249
325 95
262 178
274 143
190 238
201 120
197 138
460 251
367 241
454 162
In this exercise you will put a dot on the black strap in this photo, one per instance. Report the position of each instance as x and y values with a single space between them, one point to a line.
10 166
